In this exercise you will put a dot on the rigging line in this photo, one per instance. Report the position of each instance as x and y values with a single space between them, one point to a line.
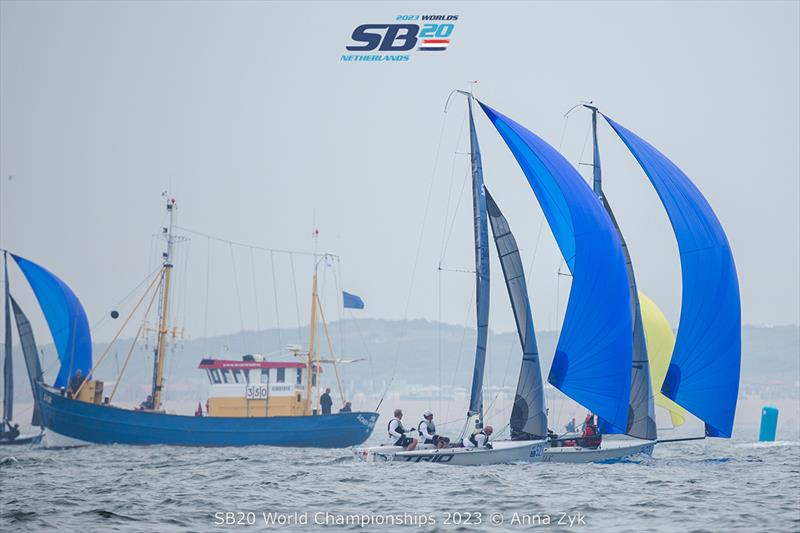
461 346
416 256
330 349
208 280
366 347
275 294
130 352
255 247
455 211
296 300
119 332
450 187
236 285
337 279
136 288
255 289
585 142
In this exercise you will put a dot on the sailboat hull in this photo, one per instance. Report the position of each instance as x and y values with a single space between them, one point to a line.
33 439
87 423
611 450
501 452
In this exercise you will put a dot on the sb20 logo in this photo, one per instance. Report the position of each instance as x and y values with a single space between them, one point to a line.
396 37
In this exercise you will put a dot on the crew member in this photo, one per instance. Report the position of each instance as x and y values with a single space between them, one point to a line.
325 402
75 383
427 432
398 433
147 404
347 408
591 437
480 439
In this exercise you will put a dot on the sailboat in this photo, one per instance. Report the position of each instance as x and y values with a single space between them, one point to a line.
703 371
528 421
251 402
9 432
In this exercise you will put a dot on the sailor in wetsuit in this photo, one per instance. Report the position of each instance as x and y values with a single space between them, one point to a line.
427 432
398 433
480 439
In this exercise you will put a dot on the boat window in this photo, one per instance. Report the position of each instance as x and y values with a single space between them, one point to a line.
246 376
225 375
208 373
281 375
314 378
215 376
237 375
265 375
299 376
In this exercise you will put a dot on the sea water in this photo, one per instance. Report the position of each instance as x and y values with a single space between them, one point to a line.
711 485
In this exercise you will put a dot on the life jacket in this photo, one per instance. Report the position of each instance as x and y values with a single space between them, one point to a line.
430 428
400 428
474 441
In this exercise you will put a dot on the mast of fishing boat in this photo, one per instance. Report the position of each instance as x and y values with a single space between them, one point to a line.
313 357
161 346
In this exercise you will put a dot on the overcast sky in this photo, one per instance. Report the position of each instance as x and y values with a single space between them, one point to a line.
246 114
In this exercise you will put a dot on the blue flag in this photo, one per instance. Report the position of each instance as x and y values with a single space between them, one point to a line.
351 301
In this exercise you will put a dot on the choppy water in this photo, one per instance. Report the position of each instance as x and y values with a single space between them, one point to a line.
694 486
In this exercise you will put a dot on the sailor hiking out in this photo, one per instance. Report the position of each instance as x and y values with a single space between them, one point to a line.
398 433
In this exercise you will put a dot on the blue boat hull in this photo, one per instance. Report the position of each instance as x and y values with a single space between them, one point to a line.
104 424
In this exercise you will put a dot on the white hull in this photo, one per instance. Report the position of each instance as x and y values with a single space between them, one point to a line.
608 450
501 452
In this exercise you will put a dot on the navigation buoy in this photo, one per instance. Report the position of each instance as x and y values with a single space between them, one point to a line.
114 315
769 424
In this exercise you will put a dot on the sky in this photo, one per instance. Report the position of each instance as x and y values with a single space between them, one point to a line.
246 115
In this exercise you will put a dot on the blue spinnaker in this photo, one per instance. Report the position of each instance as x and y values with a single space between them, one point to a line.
65 318
481 268
703 376
592 364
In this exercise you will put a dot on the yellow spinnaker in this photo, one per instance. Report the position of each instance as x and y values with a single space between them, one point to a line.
660 343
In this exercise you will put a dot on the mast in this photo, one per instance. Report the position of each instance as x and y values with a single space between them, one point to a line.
8 374
597 174
481 235
641 417
161 347
312 345
312 337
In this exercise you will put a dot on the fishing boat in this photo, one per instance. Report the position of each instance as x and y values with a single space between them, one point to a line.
528 421
247 405
9 431
702 370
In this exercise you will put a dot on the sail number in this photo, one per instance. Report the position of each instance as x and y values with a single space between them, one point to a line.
256 392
